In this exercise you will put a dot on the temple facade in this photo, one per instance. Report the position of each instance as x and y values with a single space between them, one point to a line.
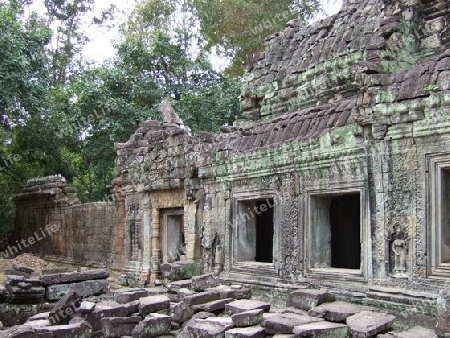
336 173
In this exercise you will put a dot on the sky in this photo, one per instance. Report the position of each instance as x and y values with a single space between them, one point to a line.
101 47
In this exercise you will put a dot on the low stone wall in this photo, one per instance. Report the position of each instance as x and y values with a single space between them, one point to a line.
52 223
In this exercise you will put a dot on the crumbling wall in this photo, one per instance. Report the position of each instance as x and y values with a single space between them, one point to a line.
80 233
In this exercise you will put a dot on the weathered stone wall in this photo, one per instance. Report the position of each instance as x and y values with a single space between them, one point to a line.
355 104
85 232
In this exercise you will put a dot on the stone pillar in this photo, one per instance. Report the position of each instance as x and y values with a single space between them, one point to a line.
146 238
156 247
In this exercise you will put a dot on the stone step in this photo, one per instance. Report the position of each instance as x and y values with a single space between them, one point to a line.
181 270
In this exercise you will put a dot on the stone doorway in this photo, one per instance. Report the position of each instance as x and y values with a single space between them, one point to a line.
172 234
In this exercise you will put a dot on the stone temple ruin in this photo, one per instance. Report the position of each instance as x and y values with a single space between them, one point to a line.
336 174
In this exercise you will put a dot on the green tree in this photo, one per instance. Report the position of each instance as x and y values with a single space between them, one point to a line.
238 28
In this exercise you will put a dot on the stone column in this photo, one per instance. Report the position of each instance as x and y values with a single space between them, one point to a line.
156 247
146 238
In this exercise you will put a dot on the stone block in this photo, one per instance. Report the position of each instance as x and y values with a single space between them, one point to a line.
104 310
201 298
129 296
119 326
321 329
234 291
72 277
306 299
86 307
181 312
32 295
132 307
213 306
22 268
180 270
153 325
203 282
248 318
337 311
285 322
173 287
246 332
153 304
204 329
64 309
368 323
242 305
84 289
225 321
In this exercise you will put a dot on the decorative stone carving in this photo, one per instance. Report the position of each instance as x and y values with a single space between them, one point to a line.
399 244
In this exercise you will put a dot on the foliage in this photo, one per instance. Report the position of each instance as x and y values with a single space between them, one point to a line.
238 28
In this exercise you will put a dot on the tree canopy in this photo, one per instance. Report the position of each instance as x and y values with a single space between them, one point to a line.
61 113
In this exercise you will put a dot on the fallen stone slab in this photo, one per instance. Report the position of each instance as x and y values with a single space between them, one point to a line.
153 325
132 307
22 282
129 296
285 322
248 318
227 322
205 329
84 289
203 282
39 316
337 311
234 291
368 323
64 309
415 332
173 287
181 312
213 306
242 305
246 332
72 277
18 314
306 299
119 326
32 295
201 298
104 310
78 330
22 268
153 304
321 329
294 310
181 270
86 307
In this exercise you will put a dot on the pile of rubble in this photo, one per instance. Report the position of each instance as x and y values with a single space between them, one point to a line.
201 307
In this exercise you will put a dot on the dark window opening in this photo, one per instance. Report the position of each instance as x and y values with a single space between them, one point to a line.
345 232
264 232
335 231
255 231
